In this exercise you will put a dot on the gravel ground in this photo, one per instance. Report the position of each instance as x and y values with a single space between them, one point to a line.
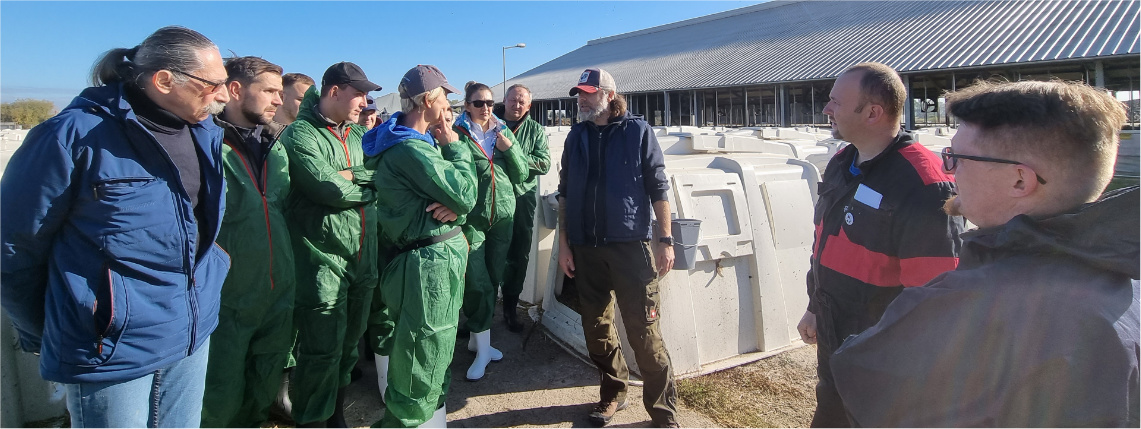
542 386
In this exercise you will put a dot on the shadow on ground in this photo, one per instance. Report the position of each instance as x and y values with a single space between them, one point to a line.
542 386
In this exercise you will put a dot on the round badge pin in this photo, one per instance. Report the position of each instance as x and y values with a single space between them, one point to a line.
848 218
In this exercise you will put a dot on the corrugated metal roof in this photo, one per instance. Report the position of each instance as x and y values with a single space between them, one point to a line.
806 40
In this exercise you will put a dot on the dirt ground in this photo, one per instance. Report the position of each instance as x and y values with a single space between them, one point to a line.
545 386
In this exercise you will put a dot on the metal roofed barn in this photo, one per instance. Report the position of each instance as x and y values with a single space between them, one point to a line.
772 64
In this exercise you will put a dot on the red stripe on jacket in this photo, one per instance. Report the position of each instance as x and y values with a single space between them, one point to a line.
926 163
919 271
856 261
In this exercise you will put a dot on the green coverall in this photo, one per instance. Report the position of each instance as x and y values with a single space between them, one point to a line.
331 221
488 227
422 288
255 323
532 141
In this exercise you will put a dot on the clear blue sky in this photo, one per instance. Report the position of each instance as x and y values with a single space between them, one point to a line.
47 48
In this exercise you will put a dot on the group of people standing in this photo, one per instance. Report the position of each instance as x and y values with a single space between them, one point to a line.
188 200
189 227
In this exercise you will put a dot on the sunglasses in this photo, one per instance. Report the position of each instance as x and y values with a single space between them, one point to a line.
211 86
479 104
951 160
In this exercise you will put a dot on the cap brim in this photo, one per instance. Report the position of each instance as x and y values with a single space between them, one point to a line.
589 89
451 89
365 86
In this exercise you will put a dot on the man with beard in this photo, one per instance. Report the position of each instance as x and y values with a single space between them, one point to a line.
879 221
1038 326
532 141
603 152
256 320
109 214
295 84
331 219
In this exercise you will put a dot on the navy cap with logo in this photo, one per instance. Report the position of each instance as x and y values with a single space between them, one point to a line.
370 103
343 73
424 78
592 80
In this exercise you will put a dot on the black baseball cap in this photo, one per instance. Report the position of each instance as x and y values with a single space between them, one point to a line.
348 73
424 78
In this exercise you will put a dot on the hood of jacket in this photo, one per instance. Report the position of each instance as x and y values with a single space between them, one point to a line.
386 135
112 100
464 121
1103 234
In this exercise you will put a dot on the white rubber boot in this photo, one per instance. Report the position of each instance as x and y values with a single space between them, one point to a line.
381 374
483 355
496 355
439 419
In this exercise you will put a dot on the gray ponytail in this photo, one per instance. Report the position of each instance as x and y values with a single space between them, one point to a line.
169 48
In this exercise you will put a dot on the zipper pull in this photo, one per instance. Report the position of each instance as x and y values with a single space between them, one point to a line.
99 344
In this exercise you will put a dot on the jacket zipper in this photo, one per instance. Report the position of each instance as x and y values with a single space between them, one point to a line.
596 184
491 162
188 252
110 320
264 203
349 161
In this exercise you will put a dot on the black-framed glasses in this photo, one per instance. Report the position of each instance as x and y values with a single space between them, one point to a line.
211 86
951 160
479 104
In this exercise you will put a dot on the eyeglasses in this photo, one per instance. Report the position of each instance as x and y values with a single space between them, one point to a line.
479 104
951 160
211 86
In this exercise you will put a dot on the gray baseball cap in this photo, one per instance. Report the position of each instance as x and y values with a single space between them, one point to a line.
592 80
424 78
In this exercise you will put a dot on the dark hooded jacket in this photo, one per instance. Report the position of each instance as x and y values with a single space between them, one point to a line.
610 177
1038 326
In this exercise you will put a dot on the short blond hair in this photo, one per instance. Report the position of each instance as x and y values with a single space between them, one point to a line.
407 105
1071 127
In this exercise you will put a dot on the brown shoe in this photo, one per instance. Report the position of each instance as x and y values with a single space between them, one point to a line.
604 411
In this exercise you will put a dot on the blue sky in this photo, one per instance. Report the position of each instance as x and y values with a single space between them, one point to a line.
47 48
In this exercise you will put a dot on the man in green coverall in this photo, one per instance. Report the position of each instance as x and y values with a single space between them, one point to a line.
424 190
255 323
531 139
331 215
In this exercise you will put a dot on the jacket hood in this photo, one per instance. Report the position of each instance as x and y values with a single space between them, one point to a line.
308 103
386 135
1103 234
464 121
112 100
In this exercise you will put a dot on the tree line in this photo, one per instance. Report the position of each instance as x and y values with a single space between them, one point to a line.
27 112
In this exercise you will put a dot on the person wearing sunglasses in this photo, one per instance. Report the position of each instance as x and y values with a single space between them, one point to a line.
499 166
110 212
879 221
1038 326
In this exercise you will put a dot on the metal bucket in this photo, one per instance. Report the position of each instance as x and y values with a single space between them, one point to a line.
685 233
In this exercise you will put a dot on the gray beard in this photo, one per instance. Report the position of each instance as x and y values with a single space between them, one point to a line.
214 108
590 115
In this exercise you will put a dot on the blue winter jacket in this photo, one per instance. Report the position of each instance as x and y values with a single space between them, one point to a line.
634 177
99 267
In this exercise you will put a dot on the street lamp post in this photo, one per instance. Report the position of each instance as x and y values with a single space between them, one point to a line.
505 48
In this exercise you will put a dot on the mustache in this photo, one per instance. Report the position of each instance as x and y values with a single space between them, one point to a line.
214 108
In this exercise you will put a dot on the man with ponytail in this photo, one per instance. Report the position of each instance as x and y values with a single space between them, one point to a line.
613 174
110 211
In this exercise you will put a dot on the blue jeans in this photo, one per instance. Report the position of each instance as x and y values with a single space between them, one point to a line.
169 397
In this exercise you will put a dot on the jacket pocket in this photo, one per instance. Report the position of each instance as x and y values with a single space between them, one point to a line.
110 312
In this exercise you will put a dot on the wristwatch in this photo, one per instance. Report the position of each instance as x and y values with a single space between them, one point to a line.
668 240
